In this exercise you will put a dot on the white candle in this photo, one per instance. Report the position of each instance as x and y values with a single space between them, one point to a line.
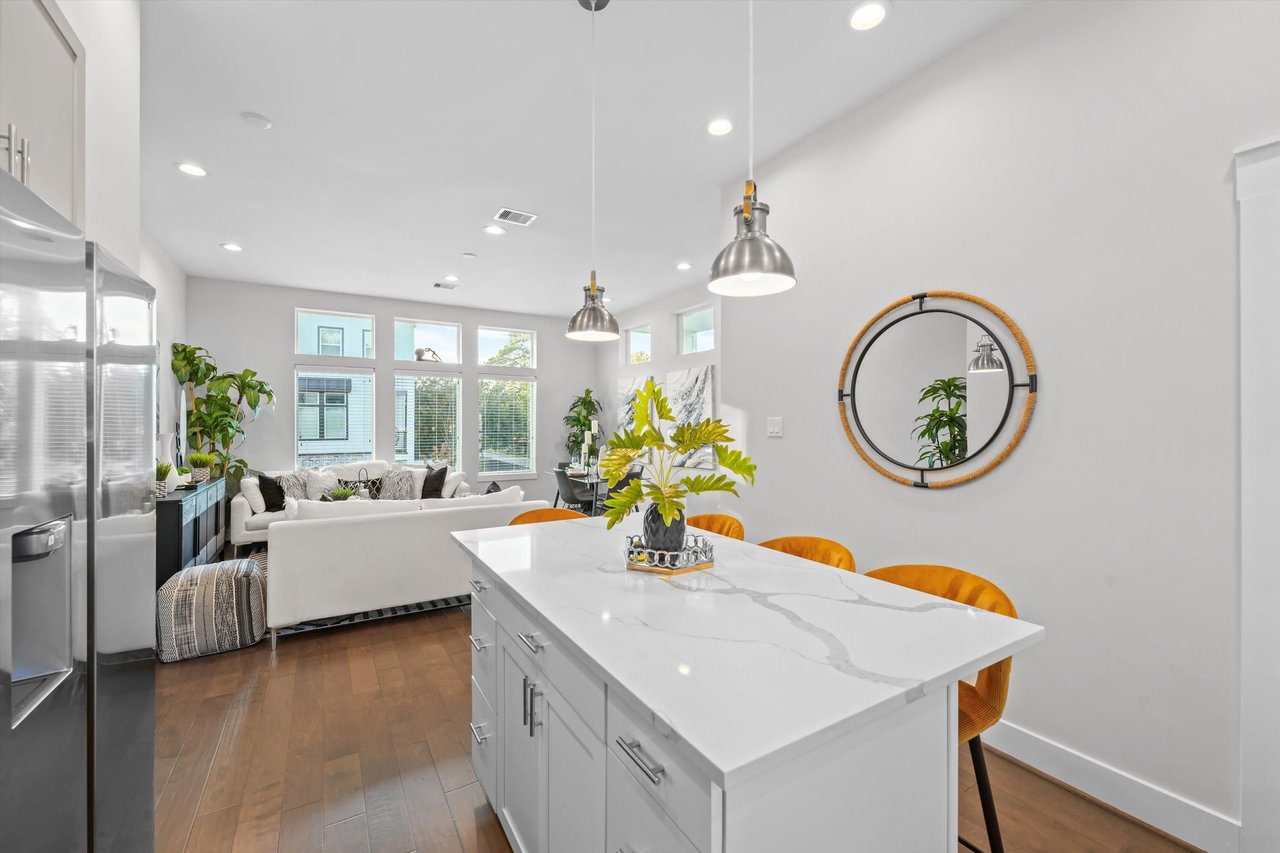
595 425
586 439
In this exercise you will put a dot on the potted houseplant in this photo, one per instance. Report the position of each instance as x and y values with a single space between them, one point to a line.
163 470
201 463
580 420
664 485
943 432
341 494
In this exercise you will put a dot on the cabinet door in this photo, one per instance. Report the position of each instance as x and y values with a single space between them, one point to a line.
518 780
41 80
572 782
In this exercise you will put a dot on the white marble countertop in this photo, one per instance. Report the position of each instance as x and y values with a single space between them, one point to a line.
750 663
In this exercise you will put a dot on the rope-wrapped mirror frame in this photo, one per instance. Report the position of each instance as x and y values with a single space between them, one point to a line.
845 397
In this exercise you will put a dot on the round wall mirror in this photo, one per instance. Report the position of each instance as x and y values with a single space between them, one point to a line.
930 387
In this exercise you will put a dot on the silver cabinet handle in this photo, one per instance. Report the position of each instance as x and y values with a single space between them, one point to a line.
476 644
524 696
24 159
475 733
529 644
11 148
478 586
636 754
533 693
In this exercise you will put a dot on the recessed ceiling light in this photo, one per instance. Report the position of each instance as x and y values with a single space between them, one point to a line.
684 265
868 14
233 247
451 278
256 120
469 256
719 126
191 169
495 230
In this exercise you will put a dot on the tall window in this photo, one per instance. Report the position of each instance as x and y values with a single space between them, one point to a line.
639 345
507 415
333 417
427 342
332 334
427 410
507 347
698 330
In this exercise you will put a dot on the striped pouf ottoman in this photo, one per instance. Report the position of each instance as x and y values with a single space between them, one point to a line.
208 609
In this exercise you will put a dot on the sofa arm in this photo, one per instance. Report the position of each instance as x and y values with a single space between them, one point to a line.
463 490
240 513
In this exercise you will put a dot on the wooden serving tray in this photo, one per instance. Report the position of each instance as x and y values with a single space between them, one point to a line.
656 570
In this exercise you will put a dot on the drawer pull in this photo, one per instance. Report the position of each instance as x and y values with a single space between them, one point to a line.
475 733
524 696
636 754
476 644
478 586
527 639
533 693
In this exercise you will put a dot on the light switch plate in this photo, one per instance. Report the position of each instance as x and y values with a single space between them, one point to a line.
773 427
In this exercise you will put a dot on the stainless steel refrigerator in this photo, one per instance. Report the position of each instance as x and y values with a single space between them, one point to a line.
77 538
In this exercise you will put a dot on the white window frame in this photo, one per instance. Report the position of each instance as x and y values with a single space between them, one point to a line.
533 351
354 359
715 324
370 371
439 374
532 472
434 365
647 328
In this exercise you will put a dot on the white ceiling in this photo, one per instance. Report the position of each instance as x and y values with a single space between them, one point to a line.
401 127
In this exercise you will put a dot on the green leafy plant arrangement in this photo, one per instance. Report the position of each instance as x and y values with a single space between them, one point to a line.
216 419
183 470
582 411
656 452
163 470
341 494
202 460
945 430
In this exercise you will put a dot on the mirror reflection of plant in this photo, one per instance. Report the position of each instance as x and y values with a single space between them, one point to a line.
656 452
945 430
582 411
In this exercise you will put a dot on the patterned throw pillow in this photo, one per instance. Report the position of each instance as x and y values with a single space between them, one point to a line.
397 485
295 484
374 485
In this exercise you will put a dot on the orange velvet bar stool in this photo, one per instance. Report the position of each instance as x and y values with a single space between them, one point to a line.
725 525
814 548
982 703
535 516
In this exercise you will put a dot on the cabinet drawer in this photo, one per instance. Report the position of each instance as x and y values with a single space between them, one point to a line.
580 688
653 761
484 741
484 651
635 823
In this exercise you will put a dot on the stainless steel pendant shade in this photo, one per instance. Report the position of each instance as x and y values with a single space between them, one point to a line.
753 264
986 360
593 322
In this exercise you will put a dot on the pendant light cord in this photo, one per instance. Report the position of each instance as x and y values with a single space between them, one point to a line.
751 90
593 146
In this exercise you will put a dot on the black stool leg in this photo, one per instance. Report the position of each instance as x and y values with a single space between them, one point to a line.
984 792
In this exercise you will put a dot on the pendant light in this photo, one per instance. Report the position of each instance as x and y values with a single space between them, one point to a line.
593 322
752 264
986 360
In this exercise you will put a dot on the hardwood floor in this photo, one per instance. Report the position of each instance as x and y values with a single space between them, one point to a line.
356 739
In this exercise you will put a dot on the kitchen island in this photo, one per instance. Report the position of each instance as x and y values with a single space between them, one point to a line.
767 704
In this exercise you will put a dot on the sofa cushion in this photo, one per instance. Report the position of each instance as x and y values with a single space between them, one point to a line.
358 470
294 483
348 508
433 483
320 482
260 520
451 484
253 494
511 495
272 493
397 485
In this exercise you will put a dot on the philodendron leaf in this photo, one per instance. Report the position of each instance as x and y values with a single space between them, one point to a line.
621 502
689 437
618 461
736 462
702 483
669 503
642 406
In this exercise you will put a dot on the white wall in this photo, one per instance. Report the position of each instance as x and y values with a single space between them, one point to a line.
1073 166
247 325
110 33
170 282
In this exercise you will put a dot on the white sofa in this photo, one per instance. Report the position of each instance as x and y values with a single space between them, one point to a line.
248 528
325 565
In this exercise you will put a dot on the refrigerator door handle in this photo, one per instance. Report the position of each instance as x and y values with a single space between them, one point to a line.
39 542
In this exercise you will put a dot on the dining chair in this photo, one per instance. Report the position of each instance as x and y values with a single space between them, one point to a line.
981 703
814 548
725 525
622 484
536 516
573 494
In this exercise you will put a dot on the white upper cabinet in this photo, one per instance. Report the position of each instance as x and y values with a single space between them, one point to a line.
42 103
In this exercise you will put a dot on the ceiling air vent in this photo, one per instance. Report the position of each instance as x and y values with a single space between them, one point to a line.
447 285
515 217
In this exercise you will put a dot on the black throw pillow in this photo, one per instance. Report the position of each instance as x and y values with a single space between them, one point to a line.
493 487
433 485
373 485
272 492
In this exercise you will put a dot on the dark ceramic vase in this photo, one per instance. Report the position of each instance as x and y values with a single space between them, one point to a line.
658 536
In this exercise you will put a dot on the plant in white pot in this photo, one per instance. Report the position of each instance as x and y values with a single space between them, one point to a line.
663 484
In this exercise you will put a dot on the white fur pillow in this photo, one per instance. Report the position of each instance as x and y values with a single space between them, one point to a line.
253 494
397 485
319 483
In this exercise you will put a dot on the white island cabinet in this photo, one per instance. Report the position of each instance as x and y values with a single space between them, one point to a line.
767 704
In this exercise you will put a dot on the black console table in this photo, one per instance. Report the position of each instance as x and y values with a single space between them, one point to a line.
190 529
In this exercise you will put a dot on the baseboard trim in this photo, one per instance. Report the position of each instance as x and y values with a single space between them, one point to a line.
1166 811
